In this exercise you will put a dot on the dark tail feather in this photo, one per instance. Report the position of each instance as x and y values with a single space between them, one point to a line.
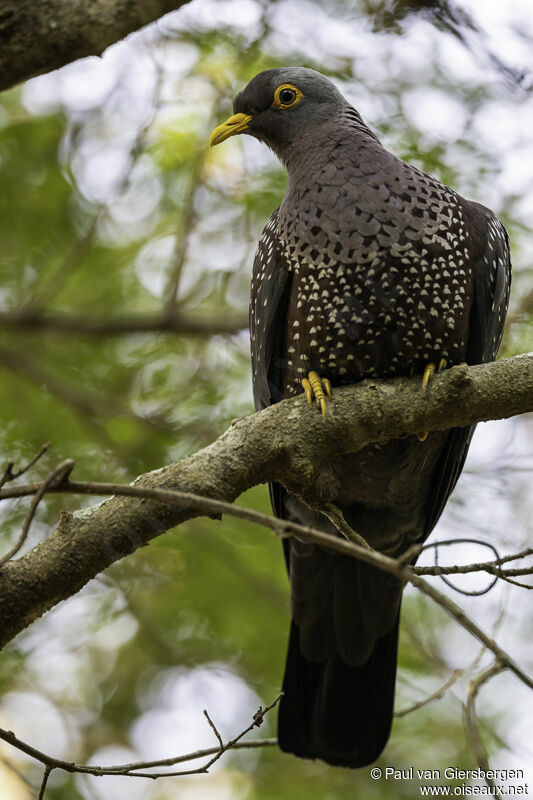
336 712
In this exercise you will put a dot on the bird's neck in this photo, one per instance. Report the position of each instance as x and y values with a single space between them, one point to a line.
328 146
329 173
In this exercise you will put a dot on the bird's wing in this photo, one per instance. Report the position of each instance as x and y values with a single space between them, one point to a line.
492 280
269 298
491 287
270 292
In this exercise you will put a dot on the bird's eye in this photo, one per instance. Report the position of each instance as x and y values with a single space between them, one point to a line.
286 96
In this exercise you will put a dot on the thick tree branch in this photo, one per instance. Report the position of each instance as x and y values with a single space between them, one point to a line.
39 37
286 443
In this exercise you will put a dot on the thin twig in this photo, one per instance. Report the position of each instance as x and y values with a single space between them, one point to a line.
216 508
9 475
47 771
123 769
466 622
521 585
256 722
436 695
485 566
57 475
336 517
454 677
214 729
469 592
411 554
133 769
471 722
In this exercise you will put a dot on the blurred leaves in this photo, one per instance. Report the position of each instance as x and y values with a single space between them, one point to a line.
111 204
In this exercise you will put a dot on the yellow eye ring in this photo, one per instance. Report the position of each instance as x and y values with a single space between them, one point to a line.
286 96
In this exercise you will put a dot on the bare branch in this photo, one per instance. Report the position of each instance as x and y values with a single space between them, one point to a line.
493 567
471 722
286 443
134 769
336 517
9 475
453 678
379 560
197 324
46 775
214 729
464 540
521 585
57 475
487 565
216 508
436 695
256 722
124 769
40 37
459 615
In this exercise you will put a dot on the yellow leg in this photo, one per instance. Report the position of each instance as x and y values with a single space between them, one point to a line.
428 374
314 386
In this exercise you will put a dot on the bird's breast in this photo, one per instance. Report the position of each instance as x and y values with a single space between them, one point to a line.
380 318
382 273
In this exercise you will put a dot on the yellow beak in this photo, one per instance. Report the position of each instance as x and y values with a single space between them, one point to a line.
235 124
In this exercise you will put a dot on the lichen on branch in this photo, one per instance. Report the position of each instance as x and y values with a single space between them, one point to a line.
286 443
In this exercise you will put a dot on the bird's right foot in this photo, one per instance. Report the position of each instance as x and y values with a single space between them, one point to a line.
314 387
428 374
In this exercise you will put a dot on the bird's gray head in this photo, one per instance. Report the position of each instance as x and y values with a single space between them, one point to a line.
279 106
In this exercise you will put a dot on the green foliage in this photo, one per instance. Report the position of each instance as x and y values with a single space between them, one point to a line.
116 209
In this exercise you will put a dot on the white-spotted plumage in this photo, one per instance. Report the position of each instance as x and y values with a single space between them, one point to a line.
383 259
370 268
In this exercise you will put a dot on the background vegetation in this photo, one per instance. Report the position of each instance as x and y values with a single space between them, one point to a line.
125 256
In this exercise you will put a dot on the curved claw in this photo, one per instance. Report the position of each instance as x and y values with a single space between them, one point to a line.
308 389
314 386
428 373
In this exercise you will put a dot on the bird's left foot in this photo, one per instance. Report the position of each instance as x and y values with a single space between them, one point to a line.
314 387
428 374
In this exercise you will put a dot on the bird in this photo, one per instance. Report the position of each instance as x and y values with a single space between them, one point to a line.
369 268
